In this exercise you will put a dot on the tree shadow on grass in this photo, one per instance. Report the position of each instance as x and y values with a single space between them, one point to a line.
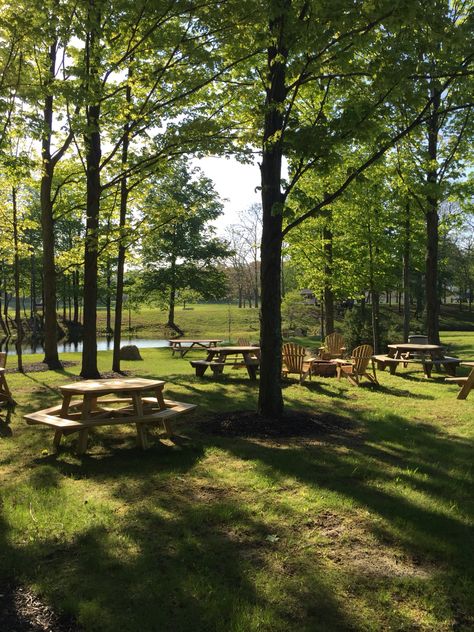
185 561
386 476
382 389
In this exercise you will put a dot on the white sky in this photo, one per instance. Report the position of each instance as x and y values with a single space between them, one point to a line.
235 183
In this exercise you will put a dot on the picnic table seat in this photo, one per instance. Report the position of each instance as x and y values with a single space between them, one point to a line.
449 363
216 366
66 426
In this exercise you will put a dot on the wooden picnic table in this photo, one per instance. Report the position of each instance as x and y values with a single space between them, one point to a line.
425 354
217 358
466 383
399 350
183 345
128 405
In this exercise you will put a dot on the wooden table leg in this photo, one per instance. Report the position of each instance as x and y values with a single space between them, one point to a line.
82 442
142 439
84 433
159 398
251 367
57 439
65 405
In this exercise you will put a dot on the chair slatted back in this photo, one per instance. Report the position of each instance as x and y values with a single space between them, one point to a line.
361 357
334 343
243 342
293 357
3 359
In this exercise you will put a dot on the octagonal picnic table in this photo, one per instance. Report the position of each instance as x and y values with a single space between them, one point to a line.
89 408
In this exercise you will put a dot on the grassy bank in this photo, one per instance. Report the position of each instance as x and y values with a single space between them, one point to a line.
229 322
367 526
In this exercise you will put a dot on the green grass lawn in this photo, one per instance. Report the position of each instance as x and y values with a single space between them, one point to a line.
229 322
368 527
201 320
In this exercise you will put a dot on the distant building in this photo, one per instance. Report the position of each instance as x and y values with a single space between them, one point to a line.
308 297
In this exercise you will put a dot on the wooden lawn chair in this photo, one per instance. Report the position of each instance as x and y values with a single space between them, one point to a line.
3 359
333 347
357 367
294 361
238 362
466 384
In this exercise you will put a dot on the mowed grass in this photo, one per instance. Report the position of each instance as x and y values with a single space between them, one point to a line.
198 321
364 528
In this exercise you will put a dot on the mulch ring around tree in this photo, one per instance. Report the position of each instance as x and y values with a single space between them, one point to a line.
22 611
293 423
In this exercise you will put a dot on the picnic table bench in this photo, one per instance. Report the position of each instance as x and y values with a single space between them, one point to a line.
184 345
93 410
427 363
217 359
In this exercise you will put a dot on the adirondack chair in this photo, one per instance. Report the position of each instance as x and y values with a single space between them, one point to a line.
238 362
357 368
293 361
333 347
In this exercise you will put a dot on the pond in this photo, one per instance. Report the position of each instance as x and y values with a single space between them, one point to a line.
103 344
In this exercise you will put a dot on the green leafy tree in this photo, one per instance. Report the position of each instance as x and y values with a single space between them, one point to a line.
184 253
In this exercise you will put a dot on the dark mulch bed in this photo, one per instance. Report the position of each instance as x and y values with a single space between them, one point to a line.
40 366
292 424
22 611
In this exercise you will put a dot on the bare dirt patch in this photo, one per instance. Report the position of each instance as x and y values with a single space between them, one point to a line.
22 611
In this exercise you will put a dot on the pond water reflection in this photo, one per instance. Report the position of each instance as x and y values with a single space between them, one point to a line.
103 344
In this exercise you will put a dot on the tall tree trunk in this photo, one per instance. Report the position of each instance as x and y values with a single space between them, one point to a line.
93 154
374 293
118 315
2 322
75 289
6 301
406 275
108 301
19 328
270 400
283 289
89 351
171 307
255 278
64 298
50 326
432 224
328 292
376 320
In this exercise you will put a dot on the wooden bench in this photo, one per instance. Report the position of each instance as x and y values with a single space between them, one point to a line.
466 383
447 362
66 426
201 366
